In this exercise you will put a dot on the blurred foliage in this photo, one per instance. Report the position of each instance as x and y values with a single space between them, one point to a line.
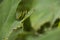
29 19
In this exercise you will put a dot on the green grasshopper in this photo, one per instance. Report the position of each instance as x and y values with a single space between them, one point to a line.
20 15
23 8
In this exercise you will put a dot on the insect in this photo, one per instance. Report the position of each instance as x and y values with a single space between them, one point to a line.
20 15
23 8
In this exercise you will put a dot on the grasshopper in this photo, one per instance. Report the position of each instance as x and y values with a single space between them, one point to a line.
20 15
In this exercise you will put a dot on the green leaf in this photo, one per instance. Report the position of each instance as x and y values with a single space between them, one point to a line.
51 35
39 12
15 33
7 17
44 11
